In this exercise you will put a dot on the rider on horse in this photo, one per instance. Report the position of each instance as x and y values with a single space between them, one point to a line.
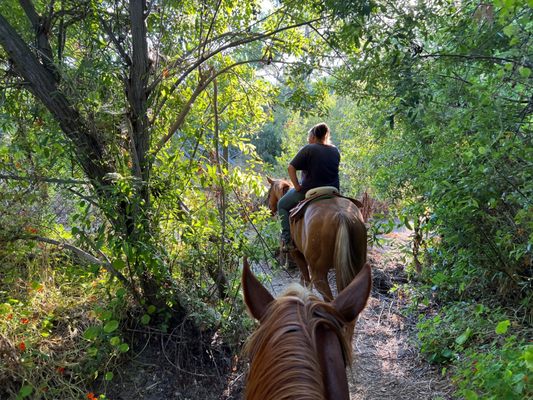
319 162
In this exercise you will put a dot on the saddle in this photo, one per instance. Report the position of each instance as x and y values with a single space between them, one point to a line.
316 194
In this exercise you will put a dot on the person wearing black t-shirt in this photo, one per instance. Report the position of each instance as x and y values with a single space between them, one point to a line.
319 162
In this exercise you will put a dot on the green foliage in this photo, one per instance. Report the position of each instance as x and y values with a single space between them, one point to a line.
24 392
268 140
450 134
496 373
155 137
56 332
445 335
431 110
160 197
490 356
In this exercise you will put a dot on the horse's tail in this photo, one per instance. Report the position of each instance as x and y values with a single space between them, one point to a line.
350 249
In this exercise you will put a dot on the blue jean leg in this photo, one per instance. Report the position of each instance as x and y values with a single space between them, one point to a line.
291 198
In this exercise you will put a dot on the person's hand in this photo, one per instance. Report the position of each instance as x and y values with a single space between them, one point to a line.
298 187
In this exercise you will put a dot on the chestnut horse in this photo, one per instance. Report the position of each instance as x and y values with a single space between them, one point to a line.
299 350
331 234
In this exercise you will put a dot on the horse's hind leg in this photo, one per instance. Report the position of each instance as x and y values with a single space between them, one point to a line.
299 259
323 288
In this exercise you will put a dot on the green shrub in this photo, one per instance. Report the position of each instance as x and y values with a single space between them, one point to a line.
58 326
497 372
473 341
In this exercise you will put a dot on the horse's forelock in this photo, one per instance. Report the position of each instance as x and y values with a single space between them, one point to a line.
300 292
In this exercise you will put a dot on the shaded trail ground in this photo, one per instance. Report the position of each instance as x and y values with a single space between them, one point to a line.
387 364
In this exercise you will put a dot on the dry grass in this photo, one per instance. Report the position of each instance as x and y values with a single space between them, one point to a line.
44 314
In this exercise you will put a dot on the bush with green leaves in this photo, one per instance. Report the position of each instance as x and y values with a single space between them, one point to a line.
498 371
489 357
451 137
57 333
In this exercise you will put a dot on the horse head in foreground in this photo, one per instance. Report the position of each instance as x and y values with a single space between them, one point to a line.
300 350
331 234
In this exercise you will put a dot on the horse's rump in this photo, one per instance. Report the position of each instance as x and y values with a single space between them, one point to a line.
332 234
349 255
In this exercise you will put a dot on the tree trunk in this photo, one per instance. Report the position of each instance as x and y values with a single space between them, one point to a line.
130 219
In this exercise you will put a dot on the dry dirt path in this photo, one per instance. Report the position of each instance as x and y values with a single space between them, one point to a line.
387 364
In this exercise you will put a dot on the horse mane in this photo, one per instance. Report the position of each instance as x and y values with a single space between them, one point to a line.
282 184
269 193
283 350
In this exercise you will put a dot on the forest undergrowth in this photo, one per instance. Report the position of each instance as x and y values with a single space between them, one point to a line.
68 332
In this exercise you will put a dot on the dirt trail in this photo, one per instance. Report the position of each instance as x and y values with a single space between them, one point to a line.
386 360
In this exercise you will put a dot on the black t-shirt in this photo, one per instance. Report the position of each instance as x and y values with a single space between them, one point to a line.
319 164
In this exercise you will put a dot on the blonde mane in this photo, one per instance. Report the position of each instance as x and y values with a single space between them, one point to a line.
284 351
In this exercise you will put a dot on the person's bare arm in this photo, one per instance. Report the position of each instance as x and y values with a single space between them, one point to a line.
294 178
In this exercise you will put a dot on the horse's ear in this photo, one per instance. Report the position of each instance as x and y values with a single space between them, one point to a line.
256 297
352 299
270 180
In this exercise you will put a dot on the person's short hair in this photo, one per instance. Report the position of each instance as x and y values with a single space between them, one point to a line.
320 130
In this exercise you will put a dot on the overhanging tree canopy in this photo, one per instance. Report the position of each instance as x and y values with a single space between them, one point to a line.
120 78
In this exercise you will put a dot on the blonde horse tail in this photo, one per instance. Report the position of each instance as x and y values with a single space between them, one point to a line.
350 249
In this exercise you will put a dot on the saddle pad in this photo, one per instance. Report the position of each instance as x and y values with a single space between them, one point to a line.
318 191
